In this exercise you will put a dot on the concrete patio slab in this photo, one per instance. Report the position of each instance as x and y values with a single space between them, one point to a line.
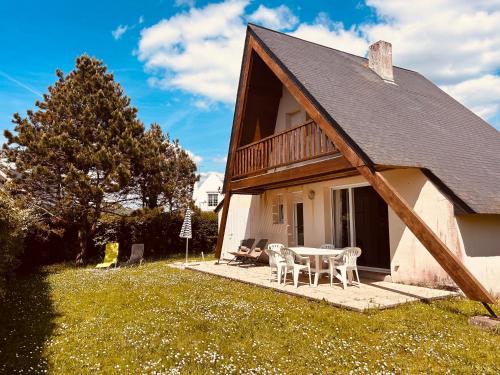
369 294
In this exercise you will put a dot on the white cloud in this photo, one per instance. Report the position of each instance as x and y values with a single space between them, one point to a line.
198 51
482 95
188 3
279 18
196 158
220 159
455 43
21 84
119 31
203 104
447 40
205 61
332 34
450 41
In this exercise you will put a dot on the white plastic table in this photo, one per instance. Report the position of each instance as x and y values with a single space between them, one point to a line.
316 253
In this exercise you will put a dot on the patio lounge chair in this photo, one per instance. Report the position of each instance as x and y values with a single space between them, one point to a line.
253 255
345 263
110 256
291 266
244 248
276 261
136 254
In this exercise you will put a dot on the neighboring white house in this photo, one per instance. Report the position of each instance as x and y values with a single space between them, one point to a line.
207 192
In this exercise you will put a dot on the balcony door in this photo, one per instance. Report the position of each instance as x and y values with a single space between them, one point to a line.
360 218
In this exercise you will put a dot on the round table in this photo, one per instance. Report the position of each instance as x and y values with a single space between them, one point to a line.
316 253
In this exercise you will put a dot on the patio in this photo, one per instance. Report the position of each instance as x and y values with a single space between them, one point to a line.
370 294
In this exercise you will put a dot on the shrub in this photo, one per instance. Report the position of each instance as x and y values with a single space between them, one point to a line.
13 227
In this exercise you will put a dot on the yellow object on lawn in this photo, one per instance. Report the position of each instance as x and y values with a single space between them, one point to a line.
110 256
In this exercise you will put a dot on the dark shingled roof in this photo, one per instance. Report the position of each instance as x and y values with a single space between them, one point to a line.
412 123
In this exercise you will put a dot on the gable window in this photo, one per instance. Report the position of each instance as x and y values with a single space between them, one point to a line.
278 210
213 199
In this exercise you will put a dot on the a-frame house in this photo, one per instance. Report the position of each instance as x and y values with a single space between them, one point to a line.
343 149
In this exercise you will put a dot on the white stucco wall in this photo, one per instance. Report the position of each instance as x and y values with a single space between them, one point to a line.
288 105
474 238
243 215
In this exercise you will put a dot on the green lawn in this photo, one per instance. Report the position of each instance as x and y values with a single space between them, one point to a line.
154 319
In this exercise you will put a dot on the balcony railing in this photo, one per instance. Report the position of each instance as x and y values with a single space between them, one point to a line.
301 143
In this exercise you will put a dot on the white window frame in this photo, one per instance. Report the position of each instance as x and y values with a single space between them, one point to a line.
352 230
216 199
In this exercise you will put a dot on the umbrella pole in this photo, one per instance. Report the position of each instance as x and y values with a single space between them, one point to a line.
187 241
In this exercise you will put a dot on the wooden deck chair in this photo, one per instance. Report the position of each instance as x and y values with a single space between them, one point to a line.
253 255
244 248
136 254
110 256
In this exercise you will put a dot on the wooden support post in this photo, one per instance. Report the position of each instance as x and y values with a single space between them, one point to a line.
222 226
235 136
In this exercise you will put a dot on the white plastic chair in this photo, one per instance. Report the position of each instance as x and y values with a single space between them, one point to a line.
276 261
291 266
345 263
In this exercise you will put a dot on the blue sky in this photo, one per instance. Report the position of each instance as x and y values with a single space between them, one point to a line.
179 60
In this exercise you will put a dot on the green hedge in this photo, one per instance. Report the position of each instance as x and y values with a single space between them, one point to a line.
13 228
158 231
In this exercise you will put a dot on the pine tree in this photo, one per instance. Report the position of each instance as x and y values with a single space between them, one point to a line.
165 172
75 153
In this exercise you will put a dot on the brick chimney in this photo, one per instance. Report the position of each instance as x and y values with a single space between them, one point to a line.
380 60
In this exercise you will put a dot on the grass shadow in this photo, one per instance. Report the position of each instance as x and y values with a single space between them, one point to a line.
27 315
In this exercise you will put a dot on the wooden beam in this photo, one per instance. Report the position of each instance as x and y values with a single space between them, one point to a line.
310 180
445 257
338 164
246 65
240 108
222 225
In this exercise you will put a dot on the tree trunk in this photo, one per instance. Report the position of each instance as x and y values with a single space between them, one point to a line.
153 201
82 244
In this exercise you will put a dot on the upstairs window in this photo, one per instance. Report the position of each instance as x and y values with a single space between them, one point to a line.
213 199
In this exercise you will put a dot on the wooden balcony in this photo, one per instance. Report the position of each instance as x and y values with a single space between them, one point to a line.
301 143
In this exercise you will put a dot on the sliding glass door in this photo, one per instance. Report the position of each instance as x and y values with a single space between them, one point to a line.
360 218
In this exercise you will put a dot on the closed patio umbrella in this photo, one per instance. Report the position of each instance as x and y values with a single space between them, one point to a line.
186 230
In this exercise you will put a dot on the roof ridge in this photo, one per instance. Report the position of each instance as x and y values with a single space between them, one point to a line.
322 45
